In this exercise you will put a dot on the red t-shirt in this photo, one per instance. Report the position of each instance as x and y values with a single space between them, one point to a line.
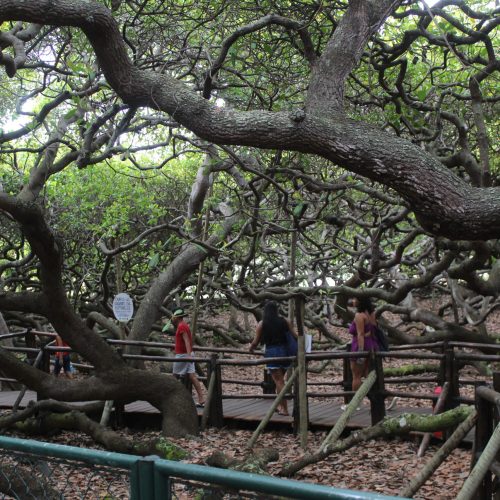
60 354
180 345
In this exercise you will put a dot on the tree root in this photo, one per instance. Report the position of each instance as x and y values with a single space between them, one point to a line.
255 462
50 416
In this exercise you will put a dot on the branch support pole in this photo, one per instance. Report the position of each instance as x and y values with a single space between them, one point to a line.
481 468
272 409
438 408
351 407
108 405
302 368
440 456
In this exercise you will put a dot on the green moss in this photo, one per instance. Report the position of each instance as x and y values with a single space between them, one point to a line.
170 451
410 370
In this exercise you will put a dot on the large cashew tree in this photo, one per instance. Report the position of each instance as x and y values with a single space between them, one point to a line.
157 58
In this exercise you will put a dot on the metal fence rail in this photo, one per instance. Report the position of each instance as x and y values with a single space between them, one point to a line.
37 470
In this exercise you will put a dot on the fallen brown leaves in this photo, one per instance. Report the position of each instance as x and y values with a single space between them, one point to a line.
379 466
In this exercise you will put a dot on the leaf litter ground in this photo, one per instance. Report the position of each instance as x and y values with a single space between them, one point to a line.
381 466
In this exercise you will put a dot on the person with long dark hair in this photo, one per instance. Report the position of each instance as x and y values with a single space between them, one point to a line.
272 331
362 330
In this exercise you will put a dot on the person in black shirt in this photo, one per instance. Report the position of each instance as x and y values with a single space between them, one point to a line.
271 331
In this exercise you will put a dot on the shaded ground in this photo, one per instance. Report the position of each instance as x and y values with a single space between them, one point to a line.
383 466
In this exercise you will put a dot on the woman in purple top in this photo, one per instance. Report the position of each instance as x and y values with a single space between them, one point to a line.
362 330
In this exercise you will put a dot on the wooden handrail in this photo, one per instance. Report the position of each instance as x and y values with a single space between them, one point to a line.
474 345
409 355
488 394
428 345
21 349
476 357
487 406
446 358
146 357
170 345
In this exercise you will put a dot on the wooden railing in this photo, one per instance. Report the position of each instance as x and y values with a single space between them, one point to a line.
488 418
447 355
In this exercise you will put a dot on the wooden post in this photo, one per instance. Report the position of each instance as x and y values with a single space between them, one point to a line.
215 411
455 377
496 381
442 366
452 379
293 260
119 413
30 341
45 362
296 400
484 429
44 366
454 391
496 481
268 385
377 392
301 362
347 376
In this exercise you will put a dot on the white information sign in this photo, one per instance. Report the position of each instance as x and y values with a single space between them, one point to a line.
123 307
308 342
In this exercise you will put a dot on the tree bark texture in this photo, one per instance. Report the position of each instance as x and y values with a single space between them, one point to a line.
444 203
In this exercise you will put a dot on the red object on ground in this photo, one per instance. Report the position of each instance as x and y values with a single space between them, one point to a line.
437 391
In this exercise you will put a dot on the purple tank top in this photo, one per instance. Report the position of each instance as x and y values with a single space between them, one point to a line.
368 328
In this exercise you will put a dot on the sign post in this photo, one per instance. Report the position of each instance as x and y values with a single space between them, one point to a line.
123 309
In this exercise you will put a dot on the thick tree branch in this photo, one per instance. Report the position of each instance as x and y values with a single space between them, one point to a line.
444 204
343 52
53 301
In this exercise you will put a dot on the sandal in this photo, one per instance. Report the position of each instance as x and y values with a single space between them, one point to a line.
283 413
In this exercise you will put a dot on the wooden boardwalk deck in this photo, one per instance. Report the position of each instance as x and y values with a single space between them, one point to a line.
321 414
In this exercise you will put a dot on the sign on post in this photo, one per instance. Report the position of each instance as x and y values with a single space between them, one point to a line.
123 307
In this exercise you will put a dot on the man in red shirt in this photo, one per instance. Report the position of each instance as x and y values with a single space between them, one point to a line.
62 359
184 349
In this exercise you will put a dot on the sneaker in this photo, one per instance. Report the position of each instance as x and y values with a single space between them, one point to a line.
344 408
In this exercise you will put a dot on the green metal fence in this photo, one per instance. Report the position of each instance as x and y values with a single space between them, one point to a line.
36 470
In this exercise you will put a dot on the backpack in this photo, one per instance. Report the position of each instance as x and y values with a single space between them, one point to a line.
382 338
291 344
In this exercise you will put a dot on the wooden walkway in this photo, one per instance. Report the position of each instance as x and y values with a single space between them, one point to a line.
251 411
